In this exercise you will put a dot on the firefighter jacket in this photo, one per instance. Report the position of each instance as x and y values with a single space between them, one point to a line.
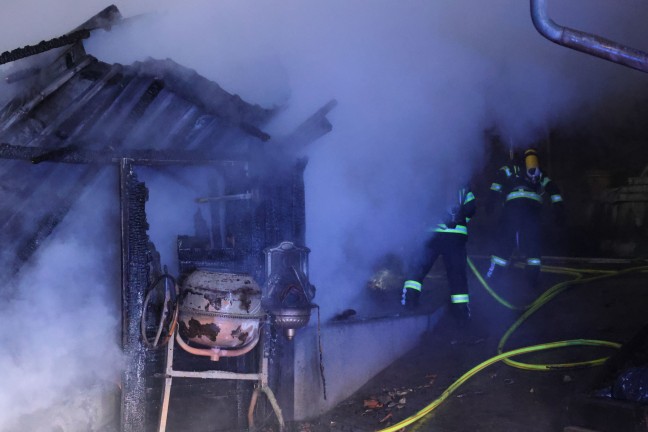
459 215
512 185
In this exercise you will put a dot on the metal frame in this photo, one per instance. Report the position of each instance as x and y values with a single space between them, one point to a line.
261 377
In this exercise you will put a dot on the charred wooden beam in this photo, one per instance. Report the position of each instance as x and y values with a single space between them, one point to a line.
136 262
74 155
104 19
313 128
43 46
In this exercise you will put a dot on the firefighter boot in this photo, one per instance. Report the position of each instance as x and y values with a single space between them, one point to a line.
461 313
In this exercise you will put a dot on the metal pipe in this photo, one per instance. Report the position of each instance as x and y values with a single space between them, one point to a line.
216 353
232 197
586 42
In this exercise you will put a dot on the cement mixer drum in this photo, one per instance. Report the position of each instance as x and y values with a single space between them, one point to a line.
220 310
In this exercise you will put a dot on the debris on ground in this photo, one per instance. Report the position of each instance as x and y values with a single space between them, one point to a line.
388 416
567 379
372 404
306 427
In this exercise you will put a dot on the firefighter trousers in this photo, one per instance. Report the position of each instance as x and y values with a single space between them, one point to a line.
452 247
520 228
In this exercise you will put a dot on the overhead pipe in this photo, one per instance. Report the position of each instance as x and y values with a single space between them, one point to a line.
586 42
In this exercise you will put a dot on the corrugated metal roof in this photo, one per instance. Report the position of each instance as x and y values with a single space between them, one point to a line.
67 101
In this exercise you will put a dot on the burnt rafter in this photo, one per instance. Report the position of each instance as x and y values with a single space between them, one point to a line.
104 19
41 47
316 126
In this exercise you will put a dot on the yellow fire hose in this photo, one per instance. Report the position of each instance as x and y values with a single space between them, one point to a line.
545 298
428 409
528 311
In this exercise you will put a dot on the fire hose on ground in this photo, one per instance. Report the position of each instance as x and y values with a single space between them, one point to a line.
528 311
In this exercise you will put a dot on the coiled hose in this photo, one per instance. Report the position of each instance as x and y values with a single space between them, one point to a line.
170 295
528 311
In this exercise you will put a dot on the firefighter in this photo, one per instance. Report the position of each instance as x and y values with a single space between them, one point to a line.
447 238
522 188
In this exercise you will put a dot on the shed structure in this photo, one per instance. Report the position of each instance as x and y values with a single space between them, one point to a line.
69 116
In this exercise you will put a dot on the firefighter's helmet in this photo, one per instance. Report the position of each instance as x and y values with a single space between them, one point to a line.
532 164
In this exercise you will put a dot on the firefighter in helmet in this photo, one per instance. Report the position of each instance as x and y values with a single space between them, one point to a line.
522 188
447 238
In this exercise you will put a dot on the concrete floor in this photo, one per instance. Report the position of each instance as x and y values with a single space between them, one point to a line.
501 397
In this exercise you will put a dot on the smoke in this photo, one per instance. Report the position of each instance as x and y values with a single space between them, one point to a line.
60 332
171 207
417 83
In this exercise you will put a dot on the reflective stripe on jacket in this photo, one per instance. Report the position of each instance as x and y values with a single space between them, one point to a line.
466 200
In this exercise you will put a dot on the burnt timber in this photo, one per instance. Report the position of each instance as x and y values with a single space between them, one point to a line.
70 116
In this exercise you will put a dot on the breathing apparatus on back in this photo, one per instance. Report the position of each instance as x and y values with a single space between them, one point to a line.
532 165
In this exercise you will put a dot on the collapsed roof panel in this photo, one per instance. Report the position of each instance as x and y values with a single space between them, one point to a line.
66 100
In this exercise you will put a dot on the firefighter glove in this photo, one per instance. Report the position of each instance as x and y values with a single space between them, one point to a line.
410 298
454 217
